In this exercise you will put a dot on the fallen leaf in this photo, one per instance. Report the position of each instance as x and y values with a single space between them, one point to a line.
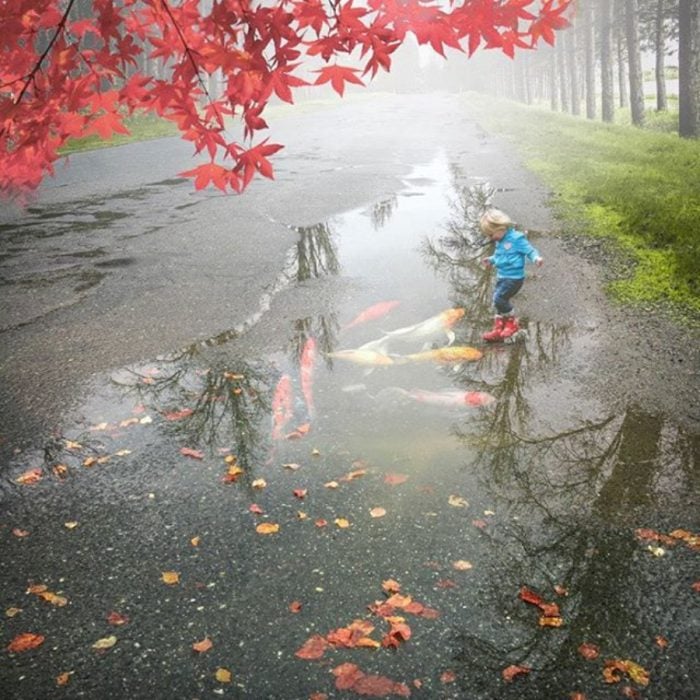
390 586
457 501
661 642
331 484
232 474
614 668
189 452
267 528
63 678
545 621
255 508
223 675
560 590
446 583
300 493
122 453
295 606
313 648
146 420
395 479
71 524
320 522
292 465
203 645
259 483
696 586
318 696
12 612
195 541
342 522
18 532
589 651
577 696
481 524
105 643
72 445
30 477
60 471
462 565
377 512
117 619
315 453
178 415
513 671
354 474
24 642
301 515
90 462
171 577
448 677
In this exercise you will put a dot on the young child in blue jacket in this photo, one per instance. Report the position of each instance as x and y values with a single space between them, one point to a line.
512 247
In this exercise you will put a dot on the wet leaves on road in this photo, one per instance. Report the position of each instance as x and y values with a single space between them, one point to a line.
513 671
349 676
203 645
616 669
170 577
42 592
105 643
223 675
267 528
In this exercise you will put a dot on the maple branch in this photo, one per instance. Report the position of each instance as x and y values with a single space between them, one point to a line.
59 29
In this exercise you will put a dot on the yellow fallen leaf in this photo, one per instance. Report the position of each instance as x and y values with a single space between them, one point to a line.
11 612
72 445
195 541
90 462
223 675
457 501
105 642
267 528
342 522
545 621
71 524
331 484
170 577
259 483
315 453
462 565
301 515
230 459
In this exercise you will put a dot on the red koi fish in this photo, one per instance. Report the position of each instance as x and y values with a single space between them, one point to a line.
306 371
282 406
452 397
372 313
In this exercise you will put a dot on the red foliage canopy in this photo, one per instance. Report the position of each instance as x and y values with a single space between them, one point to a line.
63 75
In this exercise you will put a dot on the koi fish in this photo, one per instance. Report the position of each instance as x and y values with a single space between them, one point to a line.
451 397
423 331
445 355
371 313
282 406
306 372
360 356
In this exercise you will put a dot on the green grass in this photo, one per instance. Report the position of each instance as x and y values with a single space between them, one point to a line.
142 127
638 188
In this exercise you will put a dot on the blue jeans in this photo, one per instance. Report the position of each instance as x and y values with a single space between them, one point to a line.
504 291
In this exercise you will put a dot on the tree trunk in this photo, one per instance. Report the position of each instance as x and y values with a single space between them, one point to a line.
571 46
606 61
689 69
635 62
563 91
660 67
589 48
553 92
622 83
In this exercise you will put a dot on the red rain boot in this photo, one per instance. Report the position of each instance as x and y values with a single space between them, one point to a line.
511 327
494 335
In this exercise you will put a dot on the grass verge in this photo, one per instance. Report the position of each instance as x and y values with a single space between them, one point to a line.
639 189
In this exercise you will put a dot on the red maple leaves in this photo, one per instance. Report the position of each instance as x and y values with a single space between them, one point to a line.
63 76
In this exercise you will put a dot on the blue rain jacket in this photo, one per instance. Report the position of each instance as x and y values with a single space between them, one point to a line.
509 255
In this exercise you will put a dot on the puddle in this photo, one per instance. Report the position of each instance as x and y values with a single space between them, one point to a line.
371 473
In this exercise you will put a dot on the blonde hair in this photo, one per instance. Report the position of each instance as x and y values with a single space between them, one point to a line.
494 220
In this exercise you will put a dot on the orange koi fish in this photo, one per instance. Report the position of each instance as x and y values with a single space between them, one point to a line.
360 356
446 355
282 407
424 331
306 371
372 313
452 397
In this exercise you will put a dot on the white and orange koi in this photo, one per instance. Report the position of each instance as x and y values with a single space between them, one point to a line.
443 356
360 356
306 372
282 406
372 313
450 398
424 331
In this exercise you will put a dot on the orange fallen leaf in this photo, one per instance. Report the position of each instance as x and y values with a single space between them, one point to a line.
696 586
117 619
378 512
545 621
232 474
513 671
178 415
661 642
577 696
295 606
90 462
223 675
203 645
189 452
171 577
195 541
24 642
63 678
448 677
267 528
390 586
395 479
31 476
320 522
589 651
614 668
313 648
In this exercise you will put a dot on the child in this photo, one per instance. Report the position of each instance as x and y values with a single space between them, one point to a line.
512 247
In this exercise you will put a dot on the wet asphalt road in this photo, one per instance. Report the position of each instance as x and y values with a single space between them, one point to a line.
140 318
